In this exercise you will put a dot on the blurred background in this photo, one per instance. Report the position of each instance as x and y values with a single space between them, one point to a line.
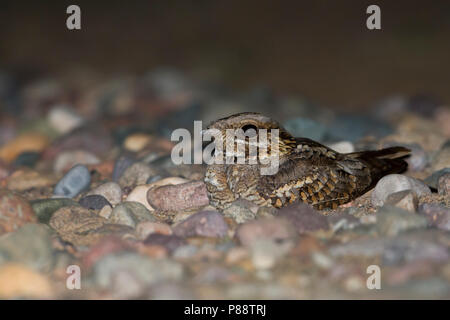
318 49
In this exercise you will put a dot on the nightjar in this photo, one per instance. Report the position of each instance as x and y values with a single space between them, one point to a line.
307 171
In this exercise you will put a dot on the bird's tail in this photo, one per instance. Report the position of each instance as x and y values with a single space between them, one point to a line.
383 162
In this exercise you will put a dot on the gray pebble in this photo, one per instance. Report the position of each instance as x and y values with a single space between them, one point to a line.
433 180
394 183
94 202
130 213
110 190
74 182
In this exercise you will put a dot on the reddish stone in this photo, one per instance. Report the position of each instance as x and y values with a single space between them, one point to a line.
15 211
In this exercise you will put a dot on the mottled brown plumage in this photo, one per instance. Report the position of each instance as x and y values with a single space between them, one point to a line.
308 171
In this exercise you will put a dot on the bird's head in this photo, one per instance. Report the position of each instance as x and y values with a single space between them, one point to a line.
254 127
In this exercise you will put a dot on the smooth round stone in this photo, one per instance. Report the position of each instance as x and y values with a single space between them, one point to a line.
139 194
44 208
26 179
122 163
432 180
343 147
67 159
64 120
130 214
110 190
26 142
15 211
27 159
105 212
406 200
203 224
442 159
94 202
136 142
136 174
394 183
30 245
74 182
20 282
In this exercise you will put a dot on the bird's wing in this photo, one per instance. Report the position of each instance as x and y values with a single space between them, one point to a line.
317 175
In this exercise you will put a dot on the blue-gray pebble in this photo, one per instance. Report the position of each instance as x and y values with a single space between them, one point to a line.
74 182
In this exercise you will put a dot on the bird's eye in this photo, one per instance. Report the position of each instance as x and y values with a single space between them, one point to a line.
249 127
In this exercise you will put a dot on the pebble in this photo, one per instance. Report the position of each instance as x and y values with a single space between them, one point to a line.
82 227
110 190
343 147
44 208
26 179
138 271
20 282
170 242
26 142
394 183
63 119
136 174
145 228
274 229
74 182
27 159
130 214
241 211
433 180
444 184
137 142
121 164
68 159
391 221
304 218
139 194
202 224
94 202
441 159
15 211
437 215
406 200
105 212
419 159
31 245
178 197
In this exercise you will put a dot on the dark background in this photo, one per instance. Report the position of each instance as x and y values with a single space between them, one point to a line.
319 49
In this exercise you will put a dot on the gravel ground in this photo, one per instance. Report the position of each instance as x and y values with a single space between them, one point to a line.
87 187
